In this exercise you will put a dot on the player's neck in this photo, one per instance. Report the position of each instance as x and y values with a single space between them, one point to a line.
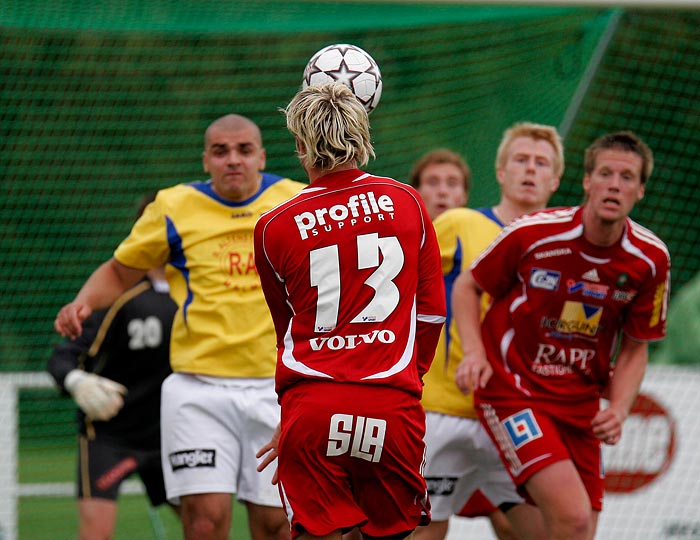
315 173
601 233
508 212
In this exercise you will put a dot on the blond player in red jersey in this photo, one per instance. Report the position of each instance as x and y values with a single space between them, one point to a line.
350 268
570 286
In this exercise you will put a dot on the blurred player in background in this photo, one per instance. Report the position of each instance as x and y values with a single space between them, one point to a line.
460 456
442 178
569 287
219 405
351 271
114 372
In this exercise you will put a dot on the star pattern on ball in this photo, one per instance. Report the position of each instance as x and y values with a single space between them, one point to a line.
349 65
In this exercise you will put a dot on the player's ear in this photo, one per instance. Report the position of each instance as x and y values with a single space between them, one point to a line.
263 159
586 183
556 181
204 162
499 176
640 192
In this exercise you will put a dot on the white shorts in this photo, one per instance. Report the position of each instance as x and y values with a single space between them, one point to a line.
461 458
211 430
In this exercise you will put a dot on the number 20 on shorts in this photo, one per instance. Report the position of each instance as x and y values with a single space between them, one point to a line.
362 437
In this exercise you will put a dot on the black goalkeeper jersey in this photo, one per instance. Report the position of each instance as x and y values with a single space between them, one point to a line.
128 343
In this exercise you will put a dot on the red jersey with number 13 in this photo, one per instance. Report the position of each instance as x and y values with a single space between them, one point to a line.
350 268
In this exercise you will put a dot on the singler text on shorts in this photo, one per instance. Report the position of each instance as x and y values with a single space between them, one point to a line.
187 459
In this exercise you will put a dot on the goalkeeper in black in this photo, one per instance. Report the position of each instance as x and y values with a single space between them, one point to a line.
113 372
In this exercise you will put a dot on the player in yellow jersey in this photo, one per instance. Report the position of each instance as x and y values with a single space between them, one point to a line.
460 456
219 406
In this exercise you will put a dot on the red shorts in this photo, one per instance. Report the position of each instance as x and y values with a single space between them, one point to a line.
529 440
351 455
477 506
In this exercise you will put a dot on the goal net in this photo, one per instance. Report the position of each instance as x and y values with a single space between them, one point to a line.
100 104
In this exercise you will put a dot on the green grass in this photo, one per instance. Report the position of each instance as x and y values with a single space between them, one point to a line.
55 517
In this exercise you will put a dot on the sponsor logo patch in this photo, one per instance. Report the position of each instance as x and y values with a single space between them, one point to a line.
362 208
622 279
553 253
336 343
441 485
553 361
591 275
541 278
117 473
624 296
659 301
189 459
522 428
575 318
593 290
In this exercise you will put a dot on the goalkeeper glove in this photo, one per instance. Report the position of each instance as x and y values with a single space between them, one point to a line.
100 398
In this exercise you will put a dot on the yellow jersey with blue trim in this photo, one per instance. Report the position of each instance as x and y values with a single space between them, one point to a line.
462 233
222 327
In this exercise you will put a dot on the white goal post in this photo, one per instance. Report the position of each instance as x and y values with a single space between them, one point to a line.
10 488
10 384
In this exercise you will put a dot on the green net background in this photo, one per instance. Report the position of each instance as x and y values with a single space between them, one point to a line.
99 104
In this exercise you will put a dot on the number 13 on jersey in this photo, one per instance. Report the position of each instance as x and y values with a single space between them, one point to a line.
325 276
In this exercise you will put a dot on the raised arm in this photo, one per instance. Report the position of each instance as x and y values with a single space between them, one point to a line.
102 288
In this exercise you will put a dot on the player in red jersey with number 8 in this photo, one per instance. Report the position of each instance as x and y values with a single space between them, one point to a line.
350 268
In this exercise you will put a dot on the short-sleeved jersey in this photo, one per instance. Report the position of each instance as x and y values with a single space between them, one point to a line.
128 343
462 234
559 306
222 327
351 271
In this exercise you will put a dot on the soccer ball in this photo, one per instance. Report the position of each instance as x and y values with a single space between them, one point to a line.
350 65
